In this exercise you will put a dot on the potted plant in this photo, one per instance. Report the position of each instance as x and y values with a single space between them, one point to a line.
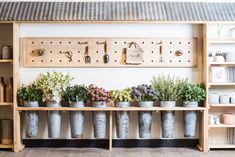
122 99
30 96
53 85
75 96
170 90
99 98
145 96
192 95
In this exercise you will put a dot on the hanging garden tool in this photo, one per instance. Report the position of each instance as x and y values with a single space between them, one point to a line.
161 52
87 57
69 55
106 56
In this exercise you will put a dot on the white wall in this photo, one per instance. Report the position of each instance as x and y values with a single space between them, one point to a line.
111 78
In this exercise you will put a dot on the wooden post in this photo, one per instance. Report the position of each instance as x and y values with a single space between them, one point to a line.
110 129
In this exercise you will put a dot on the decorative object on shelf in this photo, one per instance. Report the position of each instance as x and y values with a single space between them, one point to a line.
219 57
170 90
75 96
53 85
192 95
218 74
232 33
134 55
232 99
7 52
231 136
228 118
30 96
122 99
210 57
145 96
9 90
6 131
2 90
213 98
87 57
99 98
230 56
224 99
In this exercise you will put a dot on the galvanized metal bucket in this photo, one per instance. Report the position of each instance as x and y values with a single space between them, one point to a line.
53 120
99 120
145 119
31 120
77 120
122 120
190 119
167 119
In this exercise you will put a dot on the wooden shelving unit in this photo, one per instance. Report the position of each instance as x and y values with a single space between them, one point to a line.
218 86
6 146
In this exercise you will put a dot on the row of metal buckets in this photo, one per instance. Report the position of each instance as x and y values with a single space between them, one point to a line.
77 119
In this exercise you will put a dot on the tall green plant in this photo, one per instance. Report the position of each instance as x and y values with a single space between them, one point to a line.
53 85
169 88
193 92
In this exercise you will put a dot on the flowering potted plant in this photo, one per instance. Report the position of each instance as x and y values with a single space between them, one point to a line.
75 96
53 85
145 96
30 96
122 98
192 95
99 98
170 90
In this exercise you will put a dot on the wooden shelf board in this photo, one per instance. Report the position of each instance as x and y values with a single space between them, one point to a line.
6 60
6 104
222 105
222 146
222 84
109 109
221 126
221 41
6 145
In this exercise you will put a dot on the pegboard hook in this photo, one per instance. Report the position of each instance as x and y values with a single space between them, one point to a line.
83 43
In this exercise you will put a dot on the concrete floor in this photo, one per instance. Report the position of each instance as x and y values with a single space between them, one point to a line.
117 152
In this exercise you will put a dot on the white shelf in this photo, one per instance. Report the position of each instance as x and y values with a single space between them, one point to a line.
222 105
221 41
222 146
221 126
222 64
222 84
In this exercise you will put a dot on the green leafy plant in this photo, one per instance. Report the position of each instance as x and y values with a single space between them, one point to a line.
170 88
53 85
29 93
144 93
75 93
121 95
98 94
193 92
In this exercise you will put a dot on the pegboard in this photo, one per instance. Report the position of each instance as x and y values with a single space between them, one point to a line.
55 48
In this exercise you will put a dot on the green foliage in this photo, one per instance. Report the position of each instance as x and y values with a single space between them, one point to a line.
121 95
29 93
169 88
53 85
194 92
75 93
